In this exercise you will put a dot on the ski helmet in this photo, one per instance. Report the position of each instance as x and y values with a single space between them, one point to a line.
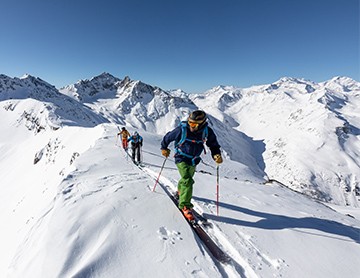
197 116
123 128
136 133
197 119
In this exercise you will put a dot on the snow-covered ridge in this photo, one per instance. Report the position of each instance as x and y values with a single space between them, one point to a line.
285 128
342 84
26 87
41 106
131 102
310 131
103 85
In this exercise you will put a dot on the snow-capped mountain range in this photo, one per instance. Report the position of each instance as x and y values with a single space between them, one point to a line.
293 133
300 133
310 132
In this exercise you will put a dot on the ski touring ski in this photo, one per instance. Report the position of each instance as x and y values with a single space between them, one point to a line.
199 226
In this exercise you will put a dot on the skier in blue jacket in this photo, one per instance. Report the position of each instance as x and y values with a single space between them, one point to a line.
189 138
136 144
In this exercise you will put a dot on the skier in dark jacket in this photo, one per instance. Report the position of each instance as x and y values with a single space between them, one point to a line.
189 140
136 144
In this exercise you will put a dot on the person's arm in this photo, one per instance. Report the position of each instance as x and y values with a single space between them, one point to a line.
169 137
212 143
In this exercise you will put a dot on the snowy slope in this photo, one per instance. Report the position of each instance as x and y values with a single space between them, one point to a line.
42 106
103 220
130 102
74 205
310 132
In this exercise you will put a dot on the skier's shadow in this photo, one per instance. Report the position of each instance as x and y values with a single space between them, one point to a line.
154 154
270 221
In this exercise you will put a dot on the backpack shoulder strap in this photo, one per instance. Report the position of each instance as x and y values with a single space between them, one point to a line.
183 133
205 134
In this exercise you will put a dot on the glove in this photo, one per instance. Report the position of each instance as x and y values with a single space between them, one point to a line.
165 152
218 159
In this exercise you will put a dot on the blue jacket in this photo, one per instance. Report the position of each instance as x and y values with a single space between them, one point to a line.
136 140
189 152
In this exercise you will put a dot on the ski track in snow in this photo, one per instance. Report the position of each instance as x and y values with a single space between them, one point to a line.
239 266
248 259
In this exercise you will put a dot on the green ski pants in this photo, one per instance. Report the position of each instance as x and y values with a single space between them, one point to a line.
185 184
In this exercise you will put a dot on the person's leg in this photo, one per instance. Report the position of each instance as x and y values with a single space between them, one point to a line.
133 153
138 153
185 184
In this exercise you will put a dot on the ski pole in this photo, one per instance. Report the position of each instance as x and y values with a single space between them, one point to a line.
127 154
141 154
117 136
157 180
217 189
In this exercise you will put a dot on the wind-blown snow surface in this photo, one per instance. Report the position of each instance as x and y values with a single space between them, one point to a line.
74 205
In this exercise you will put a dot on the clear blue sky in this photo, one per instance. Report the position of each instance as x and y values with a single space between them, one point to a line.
188 44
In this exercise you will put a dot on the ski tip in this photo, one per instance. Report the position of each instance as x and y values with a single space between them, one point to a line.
206 224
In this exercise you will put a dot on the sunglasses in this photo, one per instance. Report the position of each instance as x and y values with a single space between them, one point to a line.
193 125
